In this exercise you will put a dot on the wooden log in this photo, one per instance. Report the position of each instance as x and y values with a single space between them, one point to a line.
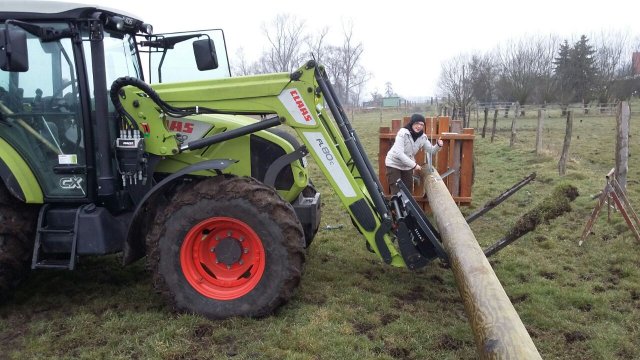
562 164
498 331
622 143
539 131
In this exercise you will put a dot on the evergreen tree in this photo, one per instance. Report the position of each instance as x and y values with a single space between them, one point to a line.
563 75
583 65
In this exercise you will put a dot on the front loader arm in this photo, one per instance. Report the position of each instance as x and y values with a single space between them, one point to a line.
298 100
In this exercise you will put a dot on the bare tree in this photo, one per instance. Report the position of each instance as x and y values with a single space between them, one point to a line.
344 67
455 81
286 36
521 67
241 67
317 45
612 48
483 72
545 85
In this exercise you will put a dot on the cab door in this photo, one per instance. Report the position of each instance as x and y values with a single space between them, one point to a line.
41 117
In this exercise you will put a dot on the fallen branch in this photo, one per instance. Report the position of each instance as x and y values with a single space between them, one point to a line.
550 208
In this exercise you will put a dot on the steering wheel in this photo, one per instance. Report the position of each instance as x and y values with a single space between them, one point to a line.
57 101
57 92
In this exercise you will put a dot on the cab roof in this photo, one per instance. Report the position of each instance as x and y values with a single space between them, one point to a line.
54 10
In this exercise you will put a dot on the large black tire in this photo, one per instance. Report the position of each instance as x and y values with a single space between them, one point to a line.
17 233
225 247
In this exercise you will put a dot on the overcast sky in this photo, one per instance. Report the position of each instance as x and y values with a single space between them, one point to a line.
404 41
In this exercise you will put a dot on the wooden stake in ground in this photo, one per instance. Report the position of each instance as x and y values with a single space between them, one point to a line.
493 129
484 125
541 114
512 141
622 143
562 164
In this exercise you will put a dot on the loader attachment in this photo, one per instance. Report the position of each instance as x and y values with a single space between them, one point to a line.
418 240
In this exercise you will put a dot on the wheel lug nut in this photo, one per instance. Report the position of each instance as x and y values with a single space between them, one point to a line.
213 249
240 262
241 238
246 251
228 267
228 233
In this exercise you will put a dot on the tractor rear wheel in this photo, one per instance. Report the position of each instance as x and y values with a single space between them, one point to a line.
226 246
17 233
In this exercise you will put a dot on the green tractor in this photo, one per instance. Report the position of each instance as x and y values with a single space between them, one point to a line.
186 167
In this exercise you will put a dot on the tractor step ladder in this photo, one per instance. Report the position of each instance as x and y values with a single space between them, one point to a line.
56 238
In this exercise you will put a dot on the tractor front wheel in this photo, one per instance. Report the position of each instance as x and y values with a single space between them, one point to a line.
226 246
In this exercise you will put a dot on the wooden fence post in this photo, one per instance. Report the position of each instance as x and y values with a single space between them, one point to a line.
541 115
562 164
486 116
622 143
512 141
495 120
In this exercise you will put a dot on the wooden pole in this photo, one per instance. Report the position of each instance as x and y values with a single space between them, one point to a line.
622 143
498 331
512 141
484 125
562 164
541 114
493 129
498 200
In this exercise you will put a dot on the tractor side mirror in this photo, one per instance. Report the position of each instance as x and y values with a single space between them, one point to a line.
13 50
205 53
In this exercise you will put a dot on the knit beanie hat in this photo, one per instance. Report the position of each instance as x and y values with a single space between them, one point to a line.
416 118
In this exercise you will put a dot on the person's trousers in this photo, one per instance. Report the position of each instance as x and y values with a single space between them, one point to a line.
394 174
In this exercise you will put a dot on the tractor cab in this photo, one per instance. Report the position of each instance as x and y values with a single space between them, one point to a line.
57 65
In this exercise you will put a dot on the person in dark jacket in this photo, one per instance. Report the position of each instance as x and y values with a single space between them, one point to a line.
400 161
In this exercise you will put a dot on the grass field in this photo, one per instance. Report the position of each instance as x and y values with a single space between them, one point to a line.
577 302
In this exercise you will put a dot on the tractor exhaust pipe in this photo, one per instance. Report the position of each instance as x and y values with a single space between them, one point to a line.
498 331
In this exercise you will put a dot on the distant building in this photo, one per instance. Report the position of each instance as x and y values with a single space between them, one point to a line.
385 102
636 63
391 101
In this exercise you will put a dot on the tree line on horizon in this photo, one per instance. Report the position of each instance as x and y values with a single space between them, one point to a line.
534 69
544 70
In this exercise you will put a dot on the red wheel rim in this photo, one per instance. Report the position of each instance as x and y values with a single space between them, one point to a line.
222 258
